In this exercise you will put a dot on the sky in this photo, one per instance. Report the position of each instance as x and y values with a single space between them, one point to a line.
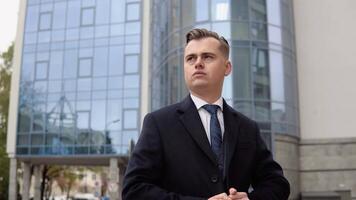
8 22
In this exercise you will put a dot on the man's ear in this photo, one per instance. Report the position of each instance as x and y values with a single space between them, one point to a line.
228 68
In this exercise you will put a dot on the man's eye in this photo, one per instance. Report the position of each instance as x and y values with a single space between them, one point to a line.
208 58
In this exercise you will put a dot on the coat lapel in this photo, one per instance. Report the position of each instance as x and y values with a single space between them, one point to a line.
231 124
190 118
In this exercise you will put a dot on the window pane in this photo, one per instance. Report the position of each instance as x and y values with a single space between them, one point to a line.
87 16
86 33
130 119
131 81
258 31
44 36
58 15
72 34
276 76
32 18
102 12
240 31
114 113
240 9
73 14
30 38
84 84
201 10
38 122
41 70
83 120
242 73
58 36
54 86
115 82
98 115
100 61
116 60
117 11
99 83
133 11
131 64
132 28
56 63
258 10
70 63
85 67
220 10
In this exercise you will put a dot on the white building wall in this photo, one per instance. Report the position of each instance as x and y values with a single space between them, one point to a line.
326 41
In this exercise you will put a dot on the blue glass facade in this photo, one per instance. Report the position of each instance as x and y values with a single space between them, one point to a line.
80 77
263 84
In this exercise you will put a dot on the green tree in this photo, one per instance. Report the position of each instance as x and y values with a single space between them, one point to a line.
5 82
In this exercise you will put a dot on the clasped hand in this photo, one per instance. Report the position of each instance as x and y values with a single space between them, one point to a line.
233 195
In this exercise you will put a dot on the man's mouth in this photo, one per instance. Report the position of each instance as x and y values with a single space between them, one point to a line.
199 73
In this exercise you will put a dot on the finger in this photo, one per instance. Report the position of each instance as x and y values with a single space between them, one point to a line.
238 195
232 191
219 196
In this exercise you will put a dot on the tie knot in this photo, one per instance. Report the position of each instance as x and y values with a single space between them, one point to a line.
212 109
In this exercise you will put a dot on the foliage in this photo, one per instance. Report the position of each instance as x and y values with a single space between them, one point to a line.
5 81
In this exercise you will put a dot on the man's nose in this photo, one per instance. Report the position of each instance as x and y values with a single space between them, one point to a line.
199 64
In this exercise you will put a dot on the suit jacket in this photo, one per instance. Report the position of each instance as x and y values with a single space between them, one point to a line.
173 158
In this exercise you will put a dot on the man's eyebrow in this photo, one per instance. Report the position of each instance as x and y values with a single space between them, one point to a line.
191 54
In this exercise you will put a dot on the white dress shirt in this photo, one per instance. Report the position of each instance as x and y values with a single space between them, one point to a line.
205 115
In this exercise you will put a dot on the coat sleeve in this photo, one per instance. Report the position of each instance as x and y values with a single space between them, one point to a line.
268 181
143 173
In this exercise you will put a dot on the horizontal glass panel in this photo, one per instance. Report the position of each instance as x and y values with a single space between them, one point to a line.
133 11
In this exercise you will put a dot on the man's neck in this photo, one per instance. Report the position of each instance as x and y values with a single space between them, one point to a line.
210 98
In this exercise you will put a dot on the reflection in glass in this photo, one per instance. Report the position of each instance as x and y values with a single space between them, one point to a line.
131 64
132 28
85 67
32 16
130 119
102 13
116 60
131 81
84 84
100 61
99 83
87 16
276 76
242 73
45 21
258 31
56 64
58 15
44 36
201 10
132 11
73 14
98 111
220 9
240 31
117 11
240 8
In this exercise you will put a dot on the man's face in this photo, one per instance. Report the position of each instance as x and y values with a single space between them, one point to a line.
205 66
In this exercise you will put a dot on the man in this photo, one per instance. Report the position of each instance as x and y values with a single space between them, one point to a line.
201 148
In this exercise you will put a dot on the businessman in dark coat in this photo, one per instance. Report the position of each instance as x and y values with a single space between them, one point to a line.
201 148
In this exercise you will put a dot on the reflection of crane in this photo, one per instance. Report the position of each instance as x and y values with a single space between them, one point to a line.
61 121
58 117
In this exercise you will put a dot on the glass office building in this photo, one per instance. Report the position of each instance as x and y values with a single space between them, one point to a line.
80 77
263 84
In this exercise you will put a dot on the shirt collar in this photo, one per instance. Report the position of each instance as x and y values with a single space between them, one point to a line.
200 102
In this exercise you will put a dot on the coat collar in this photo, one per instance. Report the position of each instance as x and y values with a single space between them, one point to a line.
189 116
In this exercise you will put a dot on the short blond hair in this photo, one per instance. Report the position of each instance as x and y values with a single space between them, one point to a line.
197 34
